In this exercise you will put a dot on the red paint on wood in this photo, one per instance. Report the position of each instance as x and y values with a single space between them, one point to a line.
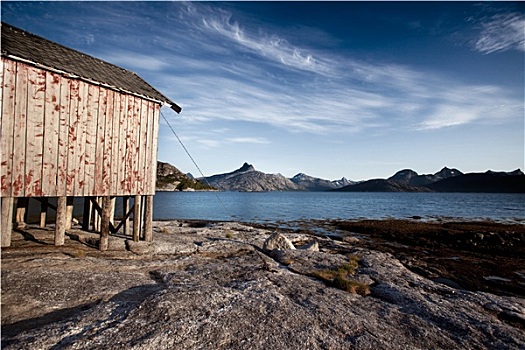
122 149
80 146
51 133
155 133
108 139
72 138
63 137
91 139
7 110
20 122
101 126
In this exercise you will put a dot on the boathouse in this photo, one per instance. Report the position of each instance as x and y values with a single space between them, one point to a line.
74 126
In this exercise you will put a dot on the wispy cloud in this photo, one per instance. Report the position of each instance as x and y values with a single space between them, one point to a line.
463 105
214 138
220 69
502 32
389 97
349 95
207 143
271 46
255 140
135 60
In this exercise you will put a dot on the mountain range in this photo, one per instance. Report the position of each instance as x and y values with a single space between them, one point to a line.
248 179
445 180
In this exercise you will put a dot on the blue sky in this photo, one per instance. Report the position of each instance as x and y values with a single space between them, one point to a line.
354 89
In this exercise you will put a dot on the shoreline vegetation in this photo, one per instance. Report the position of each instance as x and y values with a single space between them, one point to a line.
471 254
384 284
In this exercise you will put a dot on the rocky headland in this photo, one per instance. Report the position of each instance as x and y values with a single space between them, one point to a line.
169 178
224 285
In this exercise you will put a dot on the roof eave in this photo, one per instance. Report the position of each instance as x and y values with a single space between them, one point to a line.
166 102
174 107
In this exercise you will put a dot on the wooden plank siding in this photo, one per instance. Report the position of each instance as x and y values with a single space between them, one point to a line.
63 141
80 144
19 132
136 146
143 146
153 150
7 131
101 134
91 140
130 145
62 136
148 159
121 158
108 140
1 98
72 157
51 134
35 131
115 146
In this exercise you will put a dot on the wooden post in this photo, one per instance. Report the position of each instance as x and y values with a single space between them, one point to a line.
148 219
136 219
69 212
26 211
21 208
96 215
43 211
99 215
104 230
60 226
125 209
86 217
6 223
112 210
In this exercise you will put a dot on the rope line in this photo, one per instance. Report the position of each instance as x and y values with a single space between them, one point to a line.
193 160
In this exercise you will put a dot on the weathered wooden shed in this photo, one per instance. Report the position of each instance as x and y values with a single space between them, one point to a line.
75 126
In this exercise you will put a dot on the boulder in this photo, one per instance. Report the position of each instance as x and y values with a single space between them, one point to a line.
312 246
140 248
351 239
169 248
448 282
278 241
116 244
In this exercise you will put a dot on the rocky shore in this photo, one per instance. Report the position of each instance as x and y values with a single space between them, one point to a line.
213 285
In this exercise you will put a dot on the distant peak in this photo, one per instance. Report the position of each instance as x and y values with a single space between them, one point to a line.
403 175
300 175
447 172
406 172
515 172
246 167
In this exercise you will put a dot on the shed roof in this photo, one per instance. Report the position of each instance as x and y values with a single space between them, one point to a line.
19 44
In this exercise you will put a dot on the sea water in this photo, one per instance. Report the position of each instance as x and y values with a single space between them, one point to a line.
293 206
